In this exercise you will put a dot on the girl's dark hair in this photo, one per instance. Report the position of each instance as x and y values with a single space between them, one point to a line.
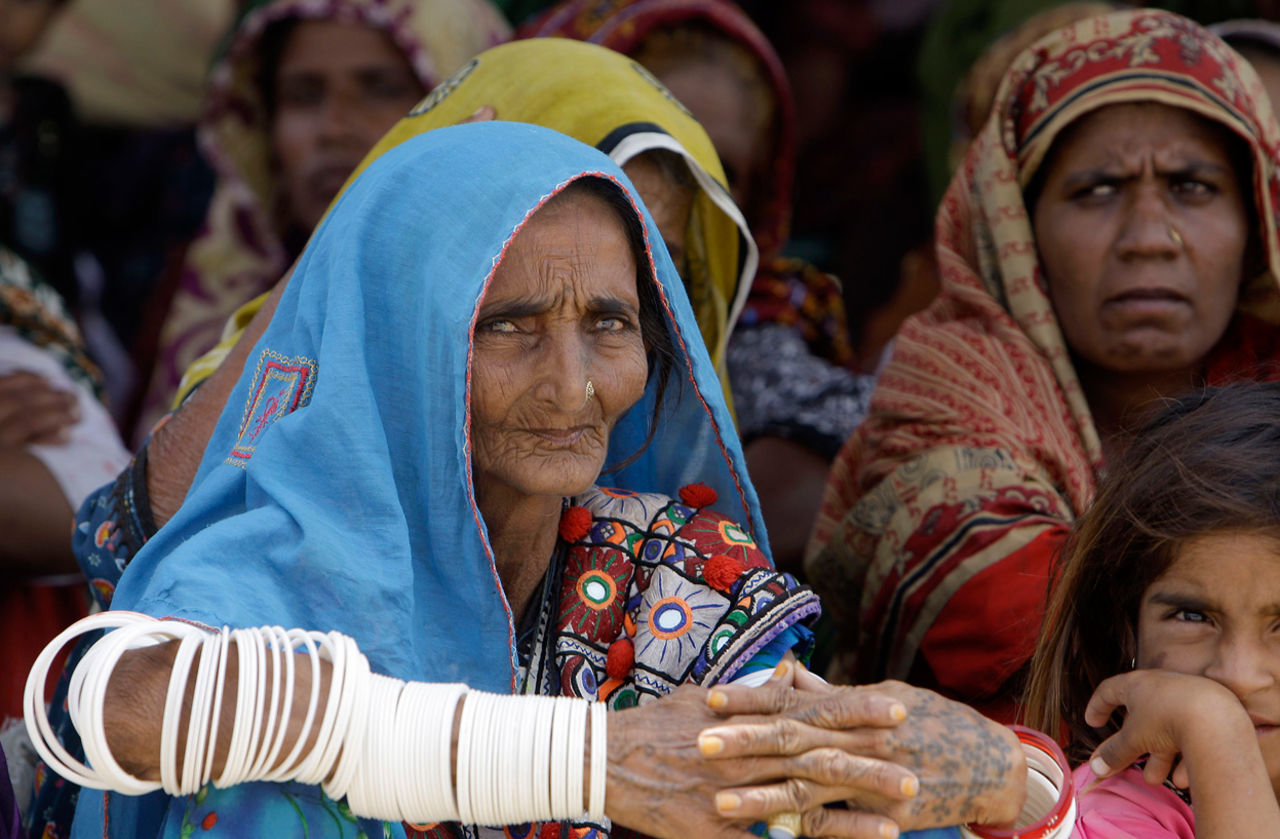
658 342
1208 463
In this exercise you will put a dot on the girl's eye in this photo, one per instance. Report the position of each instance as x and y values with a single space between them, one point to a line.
1190 616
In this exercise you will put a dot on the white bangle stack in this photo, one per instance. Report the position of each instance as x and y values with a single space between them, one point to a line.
384 744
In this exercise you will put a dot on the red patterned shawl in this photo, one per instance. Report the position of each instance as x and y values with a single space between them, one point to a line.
943 512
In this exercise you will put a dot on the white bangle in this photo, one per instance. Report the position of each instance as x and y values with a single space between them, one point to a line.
599 761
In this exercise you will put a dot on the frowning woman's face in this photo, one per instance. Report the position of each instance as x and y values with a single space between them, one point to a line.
562 310
1143 225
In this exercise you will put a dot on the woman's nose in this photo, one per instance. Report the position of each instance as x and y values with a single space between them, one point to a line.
563 371
338 120
1243 666
1147 229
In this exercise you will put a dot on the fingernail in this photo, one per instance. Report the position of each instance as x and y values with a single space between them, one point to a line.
1099 766
709 745
717 699
779 672
727 802
889 830
898 712
909 786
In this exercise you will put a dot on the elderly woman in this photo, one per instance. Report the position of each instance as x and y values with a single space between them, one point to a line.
297 96
412 459
631 118
1109 241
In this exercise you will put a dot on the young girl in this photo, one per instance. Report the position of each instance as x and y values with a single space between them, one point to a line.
1160 654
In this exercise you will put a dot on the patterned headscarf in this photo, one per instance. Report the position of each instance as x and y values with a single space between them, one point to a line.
239 253
980 438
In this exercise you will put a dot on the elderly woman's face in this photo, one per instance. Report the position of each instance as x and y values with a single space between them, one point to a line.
1142 228
562 310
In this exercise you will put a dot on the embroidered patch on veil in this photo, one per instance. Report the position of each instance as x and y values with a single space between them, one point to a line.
281 386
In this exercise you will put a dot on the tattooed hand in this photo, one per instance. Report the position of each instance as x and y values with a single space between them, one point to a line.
660 783
970 769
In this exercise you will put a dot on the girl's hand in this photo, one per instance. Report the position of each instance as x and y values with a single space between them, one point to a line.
965 767
1170 714
661 782
1166 714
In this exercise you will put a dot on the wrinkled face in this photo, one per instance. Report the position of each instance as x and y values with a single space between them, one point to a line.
562 309
24 21
1142 228
1216 613
669 203
731 116
338 88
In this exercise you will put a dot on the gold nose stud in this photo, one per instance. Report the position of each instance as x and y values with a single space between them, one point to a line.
1175 236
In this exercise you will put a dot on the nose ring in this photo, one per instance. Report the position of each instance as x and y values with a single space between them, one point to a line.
591 391
1175 236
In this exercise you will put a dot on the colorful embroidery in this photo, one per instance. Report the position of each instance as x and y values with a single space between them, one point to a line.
282 385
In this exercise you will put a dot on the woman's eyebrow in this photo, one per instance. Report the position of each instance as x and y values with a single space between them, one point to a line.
608 303
520 307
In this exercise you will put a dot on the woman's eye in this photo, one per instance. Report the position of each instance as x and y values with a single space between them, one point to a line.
300 93
612 323
1095 192
1194 189
499 326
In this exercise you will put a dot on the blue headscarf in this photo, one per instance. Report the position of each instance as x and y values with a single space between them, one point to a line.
336 492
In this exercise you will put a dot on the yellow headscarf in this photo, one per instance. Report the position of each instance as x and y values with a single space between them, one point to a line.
608 101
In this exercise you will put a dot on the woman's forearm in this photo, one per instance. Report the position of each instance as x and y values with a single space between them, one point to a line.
177 447
135 703
34 516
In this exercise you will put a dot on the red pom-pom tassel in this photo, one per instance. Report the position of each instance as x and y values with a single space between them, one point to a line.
550 830
622 654
575 524
698 495
721 572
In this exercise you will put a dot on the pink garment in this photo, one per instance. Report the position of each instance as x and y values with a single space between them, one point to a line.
1126 807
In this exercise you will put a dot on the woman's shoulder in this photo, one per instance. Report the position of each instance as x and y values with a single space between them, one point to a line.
1125 806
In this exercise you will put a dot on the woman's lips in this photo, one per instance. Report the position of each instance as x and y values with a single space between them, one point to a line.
1147 301
559 437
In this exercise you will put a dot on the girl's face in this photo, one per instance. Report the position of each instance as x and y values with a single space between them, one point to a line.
1216 613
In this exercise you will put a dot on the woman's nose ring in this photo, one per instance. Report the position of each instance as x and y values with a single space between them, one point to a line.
1175 236
591 391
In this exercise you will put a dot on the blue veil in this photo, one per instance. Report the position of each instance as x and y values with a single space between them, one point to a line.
335 493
